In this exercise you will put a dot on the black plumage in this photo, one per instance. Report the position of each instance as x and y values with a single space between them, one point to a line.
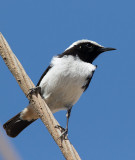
15 125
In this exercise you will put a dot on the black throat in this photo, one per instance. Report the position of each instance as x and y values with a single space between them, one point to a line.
83 55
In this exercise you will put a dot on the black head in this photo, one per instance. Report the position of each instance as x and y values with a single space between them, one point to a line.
86 50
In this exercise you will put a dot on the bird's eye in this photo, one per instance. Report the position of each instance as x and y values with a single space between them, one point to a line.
88 45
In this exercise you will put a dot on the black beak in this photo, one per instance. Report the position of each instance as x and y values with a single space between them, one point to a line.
106 49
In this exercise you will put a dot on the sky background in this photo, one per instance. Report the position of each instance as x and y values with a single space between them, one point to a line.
102 123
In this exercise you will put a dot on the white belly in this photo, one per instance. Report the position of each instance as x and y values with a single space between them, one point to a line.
62 85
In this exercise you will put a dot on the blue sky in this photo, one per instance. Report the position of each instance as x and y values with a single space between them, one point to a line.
102 123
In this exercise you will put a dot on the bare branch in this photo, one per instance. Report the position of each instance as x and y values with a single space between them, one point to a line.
7 151
38 103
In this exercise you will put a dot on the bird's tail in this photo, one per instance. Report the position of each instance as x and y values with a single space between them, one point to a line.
15 125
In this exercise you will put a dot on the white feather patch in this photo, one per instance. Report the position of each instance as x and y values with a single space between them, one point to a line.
83 41
64 82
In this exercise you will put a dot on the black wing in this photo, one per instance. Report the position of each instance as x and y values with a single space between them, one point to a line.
45 72
88 80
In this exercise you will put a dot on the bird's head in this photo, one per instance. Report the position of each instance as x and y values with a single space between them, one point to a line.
86 50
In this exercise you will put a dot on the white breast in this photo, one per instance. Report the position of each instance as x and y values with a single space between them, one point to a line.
62 85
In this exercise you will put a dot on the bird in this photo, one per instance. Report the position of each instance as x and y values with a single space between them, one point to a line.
62 84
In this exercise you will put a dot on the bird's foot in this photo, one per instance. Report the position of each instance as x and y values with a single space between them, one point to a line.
64 132
35 90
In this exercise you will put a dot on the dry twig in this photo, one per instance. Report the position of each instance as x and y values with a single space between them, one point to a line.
7 151
39 104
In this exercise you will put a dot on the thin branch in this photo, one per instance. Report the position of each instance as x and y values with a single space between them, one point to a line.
7 151
38 103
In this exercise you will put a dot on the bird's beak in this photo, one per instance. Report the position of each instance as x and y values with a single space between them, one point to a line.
103 49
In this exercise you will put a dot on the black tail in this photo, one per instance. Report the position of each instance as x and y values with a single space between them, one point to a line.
15 125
